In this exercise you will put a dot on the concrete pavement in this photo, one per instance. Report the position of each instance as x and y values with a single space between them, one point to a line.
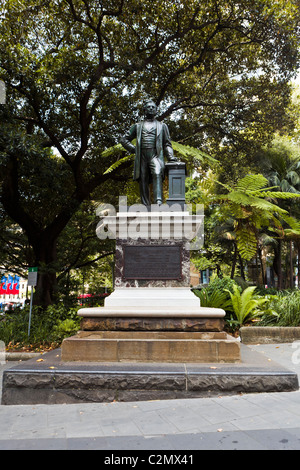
251 421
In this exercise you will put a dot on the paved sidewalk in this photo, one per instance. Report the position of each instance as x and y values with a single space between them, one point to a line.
254 421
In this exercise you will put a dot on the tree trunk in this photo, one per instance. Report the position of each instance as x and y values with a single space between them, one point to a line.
242 268
263 272
234 261
277 264
45 260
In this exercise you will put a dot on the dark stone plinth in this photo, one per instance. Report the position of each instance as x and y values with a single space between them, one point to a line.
176 176
53 382
151 324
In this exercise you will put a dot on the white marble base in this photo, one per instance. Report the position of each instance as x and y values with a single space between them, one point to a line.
152 302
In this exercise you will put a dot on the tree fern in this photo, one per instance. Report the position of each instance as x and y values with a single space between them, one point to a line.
250 206
245 305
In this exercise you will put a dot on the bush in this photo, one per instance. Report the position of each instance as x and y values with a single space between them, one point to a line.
214 299
260 290
65 328
265 306
245 305
48 327
286 310
216 294
221 284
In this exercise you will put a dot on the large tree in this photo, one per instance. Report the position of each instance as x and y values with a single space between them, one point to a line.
76 72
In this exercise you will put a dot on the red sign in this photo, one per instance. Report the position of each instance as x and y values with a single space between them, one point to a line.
10 285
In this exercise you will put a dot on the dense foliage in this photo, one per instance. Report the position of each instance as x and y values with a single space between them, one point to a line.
48 327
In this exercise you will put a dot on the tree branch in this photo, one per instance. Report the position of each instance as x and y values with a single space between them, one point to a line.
96 259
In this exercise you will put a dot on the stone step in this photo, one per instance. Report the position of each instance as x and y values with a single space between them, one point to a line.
153 346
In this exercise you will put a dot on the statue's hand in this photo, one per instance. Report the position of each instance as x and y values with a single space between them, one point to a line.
127 145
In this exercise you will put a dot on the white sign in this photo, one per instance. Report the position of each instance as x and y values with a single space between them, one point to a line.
2 353
32 276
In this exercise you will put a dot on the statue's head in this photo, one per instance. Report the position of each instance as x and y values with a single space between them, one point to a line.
149 108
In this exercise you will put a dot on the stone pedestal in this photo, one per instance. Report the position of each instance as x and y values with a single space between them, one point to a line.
152 315
176 176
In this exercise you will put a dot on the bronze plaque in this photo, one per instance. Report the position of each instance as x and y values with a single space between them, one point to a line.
157 262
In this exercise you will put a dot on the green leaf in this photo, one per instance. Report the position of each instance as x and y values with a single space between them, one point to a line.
118 163
252 183
191 152
245 305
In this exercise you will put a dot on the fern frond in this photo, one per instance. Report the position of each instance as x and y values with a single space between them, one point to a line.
118 163
114 150
237 197
280 194
191 152
252 183
246 242
265 205
293 223
245 304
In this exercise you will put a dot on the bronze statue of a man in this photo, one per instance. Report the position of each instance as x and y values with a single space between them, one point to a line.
152 143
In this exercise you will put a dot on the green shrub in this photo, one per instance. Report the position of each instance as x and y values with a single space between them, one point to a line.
221 284
261 290
214 299
245 305
216 294
47 326
286 310
65 328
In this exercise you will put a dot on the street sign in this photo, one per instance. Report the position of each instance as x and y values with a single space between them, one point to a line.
32 281
32 277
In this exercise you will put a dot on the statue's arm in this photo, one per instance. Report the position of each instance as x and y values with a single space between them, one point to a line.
127 138
167 145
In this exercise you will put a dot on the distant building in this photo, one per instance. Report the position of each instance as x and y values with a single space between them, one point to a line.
13 291
194 276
